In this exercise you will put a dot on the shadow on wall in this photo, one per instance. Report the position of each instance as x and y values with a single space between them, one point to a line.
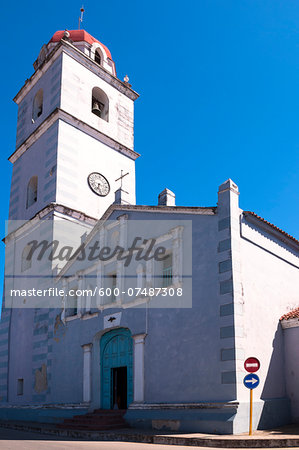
276 409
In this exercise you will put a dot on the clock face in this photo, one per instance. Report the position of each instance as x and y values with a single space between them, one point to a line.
98 184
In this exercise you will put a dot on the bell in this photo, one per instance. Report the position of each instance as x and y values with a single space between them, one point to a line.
97 109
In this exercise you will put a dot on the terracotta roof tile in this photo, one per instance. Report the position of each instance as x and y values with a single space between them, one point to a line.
294 314
271 225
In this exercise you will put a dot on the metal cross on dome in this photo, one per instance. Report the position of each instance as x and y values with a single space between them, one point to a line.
121 178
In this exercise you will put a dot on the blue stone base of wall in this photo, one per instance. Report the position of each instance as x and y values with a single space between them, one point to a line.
187 419
214 418
42 414
229 418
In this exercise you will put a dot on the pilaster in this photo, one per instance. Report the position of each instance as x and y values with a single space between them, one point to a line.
139 341
230 293
87 348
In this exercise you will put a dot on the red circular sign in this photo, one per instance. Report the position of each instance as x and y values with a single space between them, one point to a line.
252 364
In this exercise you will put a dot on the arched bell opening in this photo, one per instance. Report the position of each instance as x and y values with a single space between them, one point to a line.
37 108
100 104
31 191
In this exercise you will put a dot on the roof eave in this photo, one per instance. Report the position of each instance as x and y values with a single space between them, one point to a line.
273 229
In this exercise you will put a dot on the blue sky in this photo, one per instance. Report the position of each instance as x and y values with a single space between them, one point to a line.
218 93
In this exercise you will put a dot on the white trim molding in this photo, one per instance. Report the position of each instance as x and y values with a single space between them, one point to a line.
87 372
139 341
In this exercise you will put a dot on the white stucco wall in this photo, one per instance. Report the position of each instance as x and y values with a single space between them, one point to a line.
269 287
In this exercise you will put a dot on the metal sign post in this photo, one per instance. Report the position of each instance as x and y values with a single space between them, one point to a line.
250 413
251 381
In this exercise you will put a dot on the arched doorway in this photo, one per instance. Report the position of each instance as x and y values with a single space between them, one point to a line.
117 369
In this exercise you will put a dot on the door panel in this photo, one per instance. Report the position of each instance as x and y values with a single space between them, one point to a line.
116 351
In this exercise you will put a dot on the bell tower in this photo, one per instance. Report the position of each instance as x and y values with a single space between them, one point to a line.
75 131
74 142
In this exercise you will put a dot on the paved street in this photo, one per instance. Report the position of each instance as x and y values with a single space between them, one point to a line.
20 440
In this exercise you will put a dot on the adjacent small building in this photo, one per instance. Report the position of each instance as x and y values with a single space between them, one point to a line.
290 325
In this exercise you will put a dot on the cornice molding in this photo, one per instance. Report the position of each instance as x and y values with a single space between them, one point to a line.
43 213
59 114
66 47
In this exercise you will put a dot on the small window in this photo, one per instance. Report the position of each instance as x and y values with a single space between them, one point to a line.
167 271
31 191
112 284
26 258
37 109
98 57
72 303
100 104
20 386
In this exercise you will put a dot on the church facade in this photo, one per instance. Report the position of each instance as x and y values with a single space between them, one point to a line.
158 306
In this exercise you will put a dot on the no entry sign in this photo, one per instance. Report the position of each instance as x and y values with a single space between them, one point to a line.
252 364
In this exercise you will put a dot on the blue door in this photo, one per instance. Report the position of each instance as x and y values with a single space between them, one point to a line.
117 369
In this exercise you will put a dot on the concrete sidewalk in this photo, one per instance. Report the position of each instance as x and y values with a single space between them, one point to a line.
284 437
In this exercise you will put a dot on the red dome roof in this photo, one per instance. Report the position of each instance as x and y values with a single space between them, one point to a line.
77 36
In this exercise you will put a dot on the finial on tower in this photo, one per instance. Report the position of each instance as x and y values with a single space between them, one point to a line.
81 17
126 81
